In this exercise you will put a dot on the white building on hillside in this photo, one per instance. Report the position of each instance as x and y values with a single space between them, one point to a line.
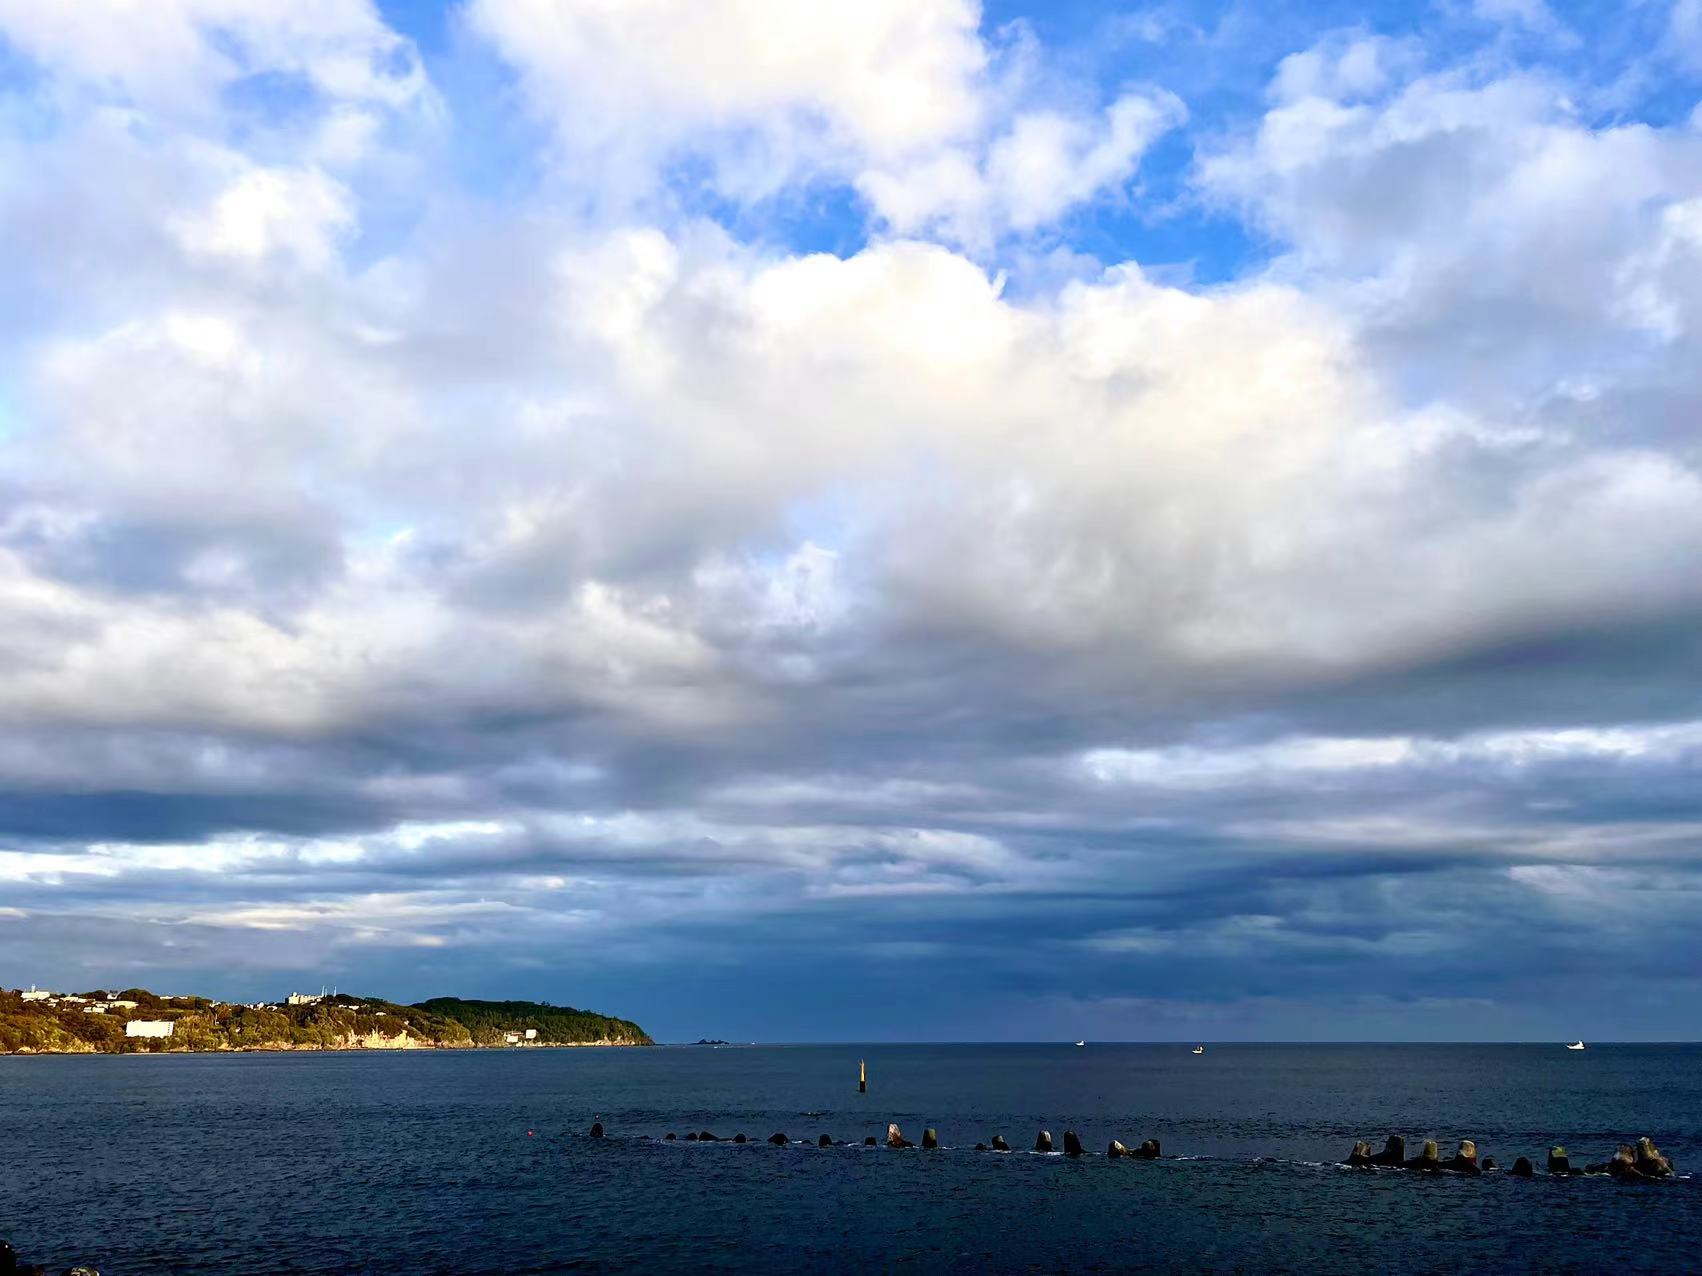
149 1028
37 994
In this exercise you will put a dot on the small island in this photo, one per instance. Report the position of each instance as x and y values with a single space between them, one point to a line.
136 1021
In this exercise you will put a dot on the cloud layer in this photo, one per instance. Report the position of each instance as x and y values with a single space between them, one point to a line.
438 555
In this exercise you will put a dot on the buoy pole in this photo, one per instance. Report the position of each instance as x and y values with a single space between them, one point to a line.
862 1077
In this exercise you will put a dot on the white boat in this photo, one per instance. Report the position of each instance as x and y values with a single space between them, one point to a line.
1576 1045
1081 1043
1199 1049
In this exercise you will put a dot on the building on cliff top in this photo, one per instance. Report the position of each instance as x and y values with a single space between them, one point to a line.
149 1028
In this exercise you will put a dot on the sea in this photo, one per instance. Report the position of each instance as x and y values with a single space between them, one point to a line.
475 1161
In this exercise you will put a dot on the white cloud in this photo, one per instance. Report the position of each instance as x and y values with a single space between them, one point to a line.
177 55
1297 759
627 84
271 214
900 98
1044 164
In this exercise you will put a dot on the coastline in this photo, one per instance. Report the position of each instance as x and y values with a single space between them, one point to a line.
137 1021
410 1046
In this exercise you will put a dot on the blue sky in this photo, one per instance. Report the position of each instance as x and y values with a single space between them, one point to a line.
926 521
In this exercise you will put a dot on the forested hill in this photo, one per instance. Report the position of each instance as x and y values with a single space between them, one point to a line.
488 1021
100 1022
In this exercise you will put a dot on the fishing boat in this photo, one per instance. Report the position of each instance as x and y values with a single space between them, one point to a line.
1576 1045
1081 1043
1199 1049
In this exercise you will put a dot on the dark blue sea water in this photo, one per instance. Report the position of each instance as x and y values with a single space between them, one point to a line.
422 1162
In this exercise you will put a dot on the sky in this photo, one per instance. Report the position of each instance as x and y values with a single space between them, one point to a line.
907 520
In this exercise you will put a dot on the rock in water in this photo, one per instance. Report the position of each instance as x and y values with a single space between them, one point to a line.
1558 1161
1623 1166
1522 1168
596 1129
1072 1143
1489 1164
826 1141
980 1147
869 1142
930 1140
1114 1149
1360 1157
779 1140
894 1136
1465 1160
1394 1152
1043 1141
669 1137
999 1144
691 1138
1147 1151
1650 1161
739 1138
704 1136
1429 1158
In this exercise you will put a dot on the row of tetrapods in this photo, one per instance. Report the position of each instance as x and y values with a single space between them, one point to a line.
1147 1151
1631 1163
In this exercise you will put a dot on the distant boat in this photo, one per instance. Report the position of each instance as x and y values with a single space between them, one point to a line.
1576 1045
1199 1049
1081 1043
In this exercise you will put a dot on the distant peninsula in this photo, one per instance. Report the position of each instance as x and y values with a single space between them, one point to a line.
136 1021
